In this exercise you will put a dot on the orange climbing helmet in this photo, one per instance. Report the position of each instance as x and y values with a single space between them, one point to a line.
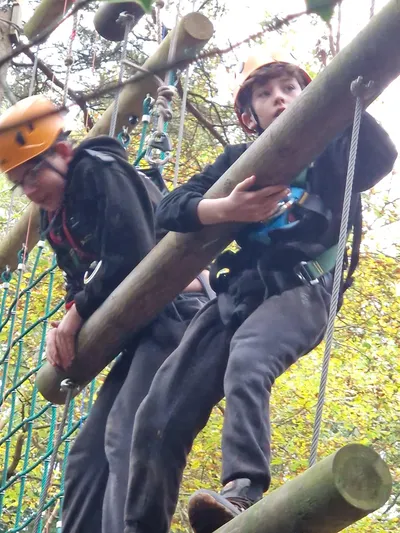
247 71
24 142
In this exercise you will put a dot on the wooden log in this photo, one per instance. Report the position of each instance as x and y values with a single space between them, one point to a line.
47 12
336 492
192 32
24 232
291 143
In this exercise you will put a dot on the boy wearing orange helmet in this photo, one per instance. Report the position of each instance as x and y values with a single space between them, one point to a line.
271 309
97 213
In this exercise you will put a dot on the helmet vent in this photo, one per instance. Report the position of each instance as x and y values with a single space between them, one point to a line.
20 138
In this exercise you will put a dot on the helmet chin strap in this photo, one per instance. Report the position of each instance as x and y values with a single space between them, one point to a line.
54 169
259 130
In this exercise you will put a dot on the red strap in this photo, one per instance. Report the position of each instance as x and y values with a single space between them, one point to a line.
58 239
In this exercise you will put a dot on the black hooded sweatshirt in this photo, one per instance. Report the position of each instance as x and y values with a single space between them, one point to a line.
107 215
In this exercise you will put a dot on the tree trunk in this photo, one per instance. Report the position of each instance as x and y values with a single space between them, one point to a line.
290 144
336 492
5 47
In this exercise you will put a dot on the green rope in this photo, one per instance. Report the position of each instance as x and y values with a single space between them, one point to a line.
147 106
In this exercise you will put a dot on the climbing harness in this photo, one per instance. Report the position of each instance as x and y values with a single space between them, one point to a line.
299 213
360 91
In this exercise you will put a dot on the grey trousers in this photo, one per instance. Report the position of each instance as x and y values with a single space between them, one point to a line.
98 465
211 362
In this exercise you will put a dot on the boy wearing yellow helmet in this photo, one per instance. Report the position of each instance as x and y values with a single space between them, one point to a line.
97 213
271 309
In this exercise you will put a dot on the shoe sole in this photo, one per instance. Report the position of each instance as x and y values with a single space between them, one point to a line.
209 511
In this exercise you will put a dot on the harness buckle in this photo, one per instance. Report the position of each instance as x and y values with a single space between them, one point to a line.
302 272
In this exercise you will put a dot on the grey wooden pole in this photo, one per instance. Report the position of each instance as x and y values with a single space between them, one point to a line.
192 33
47 12
336 492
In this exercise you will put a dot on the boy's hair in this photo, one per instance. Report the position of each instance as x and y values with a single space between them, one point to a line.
264 74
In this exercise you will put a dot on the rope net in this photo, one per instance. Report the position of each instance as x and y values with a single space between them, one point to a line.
29 299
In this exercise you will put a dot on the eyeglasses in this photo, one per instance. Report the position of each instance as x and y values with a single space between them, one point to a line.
29 177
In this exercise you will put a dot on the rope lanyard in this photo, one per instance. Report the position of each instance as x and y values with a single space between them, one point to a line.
34 71
181 128
359 90
69 60
129 21
162 112
182 120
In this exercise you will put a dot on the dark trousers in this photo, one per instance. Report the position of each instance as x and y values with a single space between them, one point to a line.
211 362
98 465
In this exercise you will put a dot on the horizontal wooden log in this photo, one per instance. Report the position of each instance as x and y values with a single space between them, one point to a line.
47 12
24 232
336 492
191 34
291 143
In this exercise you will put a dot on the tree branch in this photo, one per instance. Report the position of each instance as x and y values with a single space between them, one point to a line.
58 83
17 456
202 120
50 519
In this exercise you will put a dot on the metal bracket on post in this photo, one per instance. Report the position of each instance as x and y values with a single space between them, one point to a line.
15 29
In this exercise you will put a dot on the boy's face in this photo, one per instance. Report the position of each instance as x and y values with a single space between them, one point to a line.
43 180
270 99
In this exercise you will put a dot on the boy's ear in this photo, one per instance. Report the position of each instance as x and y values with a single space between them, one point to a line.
248 120
64 149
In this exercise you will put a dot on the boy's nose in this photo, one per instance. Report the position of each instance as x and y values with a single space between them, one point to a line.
28 189
279 98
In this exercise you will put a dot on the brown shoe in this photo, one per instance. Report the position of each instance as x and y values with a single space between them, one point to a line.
209 510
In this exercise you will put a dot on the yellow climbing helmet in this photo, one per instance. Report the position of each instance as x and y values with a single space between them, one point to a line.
248 69
22 143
